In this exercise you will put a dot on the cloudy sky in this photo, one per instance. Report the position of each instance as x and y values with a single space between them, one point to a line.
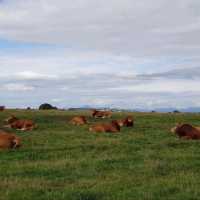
120 53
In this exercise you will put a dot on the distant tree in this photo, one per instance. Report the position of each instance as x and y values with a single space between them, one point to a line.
2 108
176 111
47 106
72 109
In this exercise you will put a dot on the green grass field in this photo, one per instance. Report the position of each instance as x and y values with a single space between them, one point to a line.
61 162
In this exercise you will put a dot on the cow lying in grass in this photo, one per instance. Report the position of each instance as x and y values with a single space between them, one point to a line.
101 114
78 120
112 127
127 122
187 131
20 124
9 141
11 119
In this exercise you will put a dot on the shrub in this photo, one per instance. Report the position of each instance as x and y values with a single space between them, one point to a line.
47 106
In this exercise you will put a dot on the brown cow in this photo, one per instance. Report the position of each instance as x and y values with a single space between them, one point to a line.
197 127
101 114
11 119
9 141
120 122
127 122
20 124
78 120
112 127
186 131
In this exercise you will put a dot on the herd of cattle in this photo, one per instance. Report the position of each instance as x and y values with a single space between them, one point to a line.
11 141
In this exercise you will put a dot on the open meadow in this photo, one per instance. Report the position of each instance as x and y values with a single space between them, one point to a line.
59 161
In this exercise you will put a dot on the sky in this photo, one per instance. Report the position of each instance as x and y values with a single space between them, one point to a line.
118 53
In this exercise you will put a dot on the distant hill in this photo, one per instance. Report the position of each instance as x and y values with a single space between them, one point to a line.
164 110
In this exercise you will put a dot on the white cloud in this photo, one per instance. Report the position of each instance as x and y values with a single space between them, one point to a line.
163 86
16 87
57 100
115 26
101 52
29 75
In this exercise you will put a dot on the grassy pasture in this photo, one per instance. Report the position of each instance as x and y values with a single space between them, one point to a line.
59 161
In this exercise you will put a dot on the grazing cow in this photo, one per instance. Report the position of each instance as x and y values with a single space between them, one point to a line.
2 108
20 124
112 127
9 141
186 131
127 122
101 114
78 120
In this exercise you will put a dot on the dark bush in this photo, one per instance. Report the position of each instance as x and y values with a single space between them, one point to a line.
47 106
2 108
176 111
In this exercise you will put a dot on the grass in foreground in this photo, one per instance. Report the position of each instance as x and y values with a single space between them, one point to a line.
62 162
